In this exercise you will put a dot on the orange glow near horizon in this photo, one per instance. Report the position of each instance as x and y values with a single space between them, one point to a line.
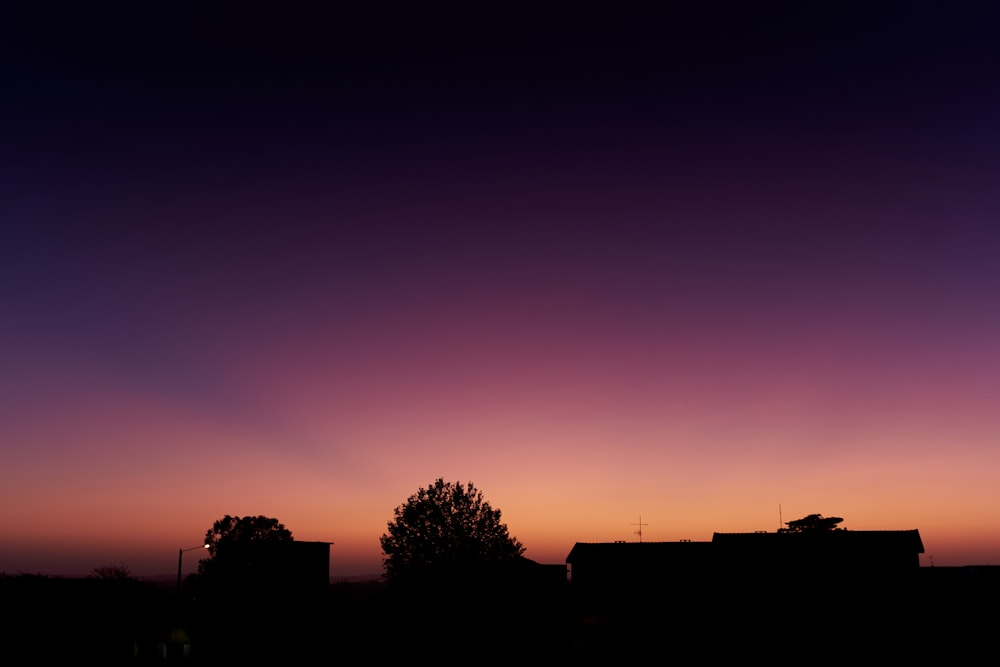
692 289
570 472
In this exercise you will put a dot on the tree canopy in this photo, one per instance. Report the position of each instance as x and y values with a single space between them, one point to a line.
230 534
811 523
444 526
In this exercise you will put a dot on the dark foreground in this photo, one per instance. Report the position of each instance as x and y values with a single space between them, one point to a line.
941 614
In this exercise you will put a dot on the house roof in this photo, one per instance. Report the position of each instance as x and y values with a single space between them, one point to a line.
862 540
631 549
908 540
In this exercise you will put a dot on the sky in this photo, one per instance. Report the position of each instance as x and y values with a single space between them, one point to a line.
715 268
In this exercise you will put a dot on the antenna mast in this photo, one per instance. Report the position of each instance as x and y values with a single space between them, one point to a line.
640 524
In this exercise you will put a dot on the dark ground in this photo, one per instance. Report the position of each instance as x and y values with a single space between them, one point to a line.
945 614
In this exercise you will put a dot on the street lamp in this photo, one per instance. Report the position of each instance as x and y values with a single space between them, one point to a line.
180 553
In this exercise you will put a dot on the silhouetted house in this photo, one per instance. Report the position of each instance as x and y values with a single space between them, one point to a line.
622 570
735 562
526 577
293 569
844 555
517 599
264 601
516 576
518 586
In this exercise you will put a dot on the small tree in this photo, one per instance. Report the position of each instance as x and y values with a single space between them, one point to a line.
811 524
232 534
445 527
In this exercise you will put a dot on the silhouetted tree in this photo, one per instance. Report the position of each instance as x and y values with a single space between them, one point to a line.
811 523
232 534
115 572
445 528
249 602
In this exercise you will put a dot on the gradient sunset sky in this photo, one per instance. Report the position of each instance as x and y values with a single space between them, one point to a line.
683 265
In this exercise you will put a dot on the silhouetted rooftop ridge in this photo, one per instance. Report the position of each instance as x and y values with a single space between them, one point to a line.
818 532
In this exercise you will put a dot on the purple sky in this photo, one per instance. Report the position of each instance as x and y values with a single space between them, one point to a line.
684 264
